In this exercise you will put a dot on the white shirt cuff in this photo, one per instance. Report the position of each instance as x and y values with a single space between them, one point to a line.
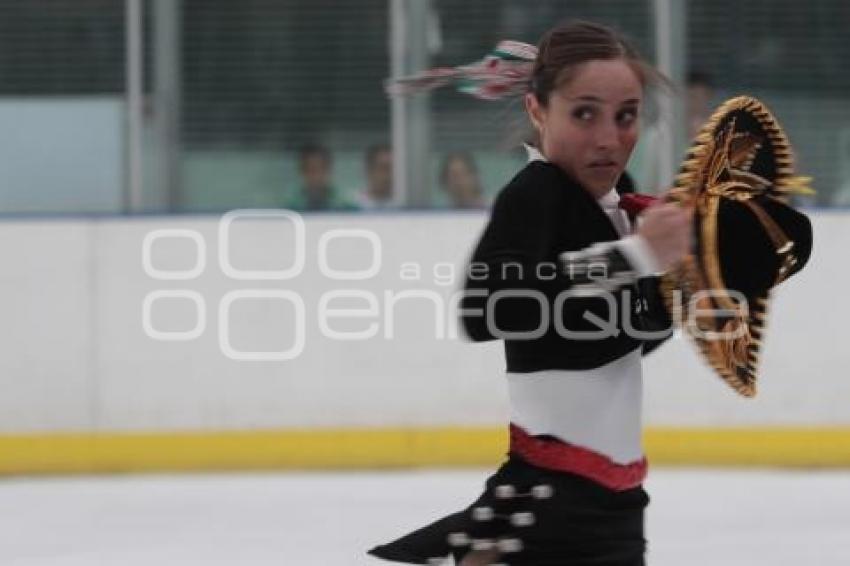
639 255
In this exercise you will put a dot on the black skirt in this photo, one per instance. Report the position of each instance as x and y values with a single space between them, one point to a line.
535 517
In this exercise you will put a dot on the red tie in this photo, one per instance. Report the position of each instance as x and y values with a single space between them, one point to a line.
635 203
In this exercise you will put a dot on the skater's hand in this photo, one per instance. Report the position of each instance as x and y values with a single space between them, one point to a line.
666 228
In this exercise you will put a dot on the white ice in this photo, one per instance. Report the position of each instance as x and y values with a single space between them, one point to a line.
696 517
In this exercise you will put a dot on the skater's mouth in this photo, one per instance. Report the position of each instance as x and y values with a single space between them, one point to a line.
602 164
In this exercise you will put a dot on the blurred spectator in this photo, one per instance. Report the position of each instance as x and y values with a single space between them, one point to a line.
699 96
459 179
316 191
378 192
698 103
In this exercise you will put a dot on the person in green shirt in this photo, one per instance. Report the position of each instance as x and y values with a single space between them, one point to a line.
316 190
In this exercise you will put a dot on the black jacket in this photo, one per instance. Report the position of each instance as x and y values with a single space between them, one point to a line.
515 277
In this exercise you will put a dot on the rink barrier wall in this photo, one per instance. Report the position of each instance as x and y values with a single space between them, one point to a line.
87 387
373 449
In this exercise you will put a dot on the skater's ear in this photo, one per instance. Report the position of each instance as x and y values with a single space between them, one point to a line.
536 111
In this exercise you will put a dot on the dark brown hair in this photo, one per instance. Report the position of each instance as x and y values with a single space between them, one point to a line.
309 150
568 45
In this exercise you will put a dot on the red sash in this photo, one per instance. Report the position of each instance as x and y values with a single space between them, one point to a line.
558 455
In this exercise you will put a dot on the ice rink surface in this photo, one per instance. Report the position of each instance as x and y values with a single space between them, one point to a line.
696 517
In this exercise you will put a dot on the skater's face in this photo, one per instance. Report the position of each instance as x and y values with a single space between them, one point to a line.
589 125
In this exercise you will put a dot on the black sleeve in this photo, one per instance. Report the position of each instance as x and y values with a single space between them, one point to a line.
655 317
514 255
518 270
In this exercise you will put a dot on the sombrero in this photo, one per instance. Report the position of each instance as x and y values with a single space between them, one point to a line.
737 178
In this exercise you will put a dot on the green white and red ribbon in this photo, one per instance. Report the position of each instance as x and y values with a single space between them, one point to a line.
505 71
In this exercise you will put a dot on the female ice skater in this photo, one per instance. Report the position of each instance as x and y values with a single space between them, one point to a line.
575 467
567 278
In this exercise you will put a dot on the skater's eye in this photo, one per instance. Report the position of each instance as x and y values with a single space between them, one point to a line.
584 113
627 116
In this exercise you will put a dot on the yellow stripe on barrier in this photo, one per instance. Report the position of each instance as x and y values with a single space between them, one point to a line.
384 448
769 446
